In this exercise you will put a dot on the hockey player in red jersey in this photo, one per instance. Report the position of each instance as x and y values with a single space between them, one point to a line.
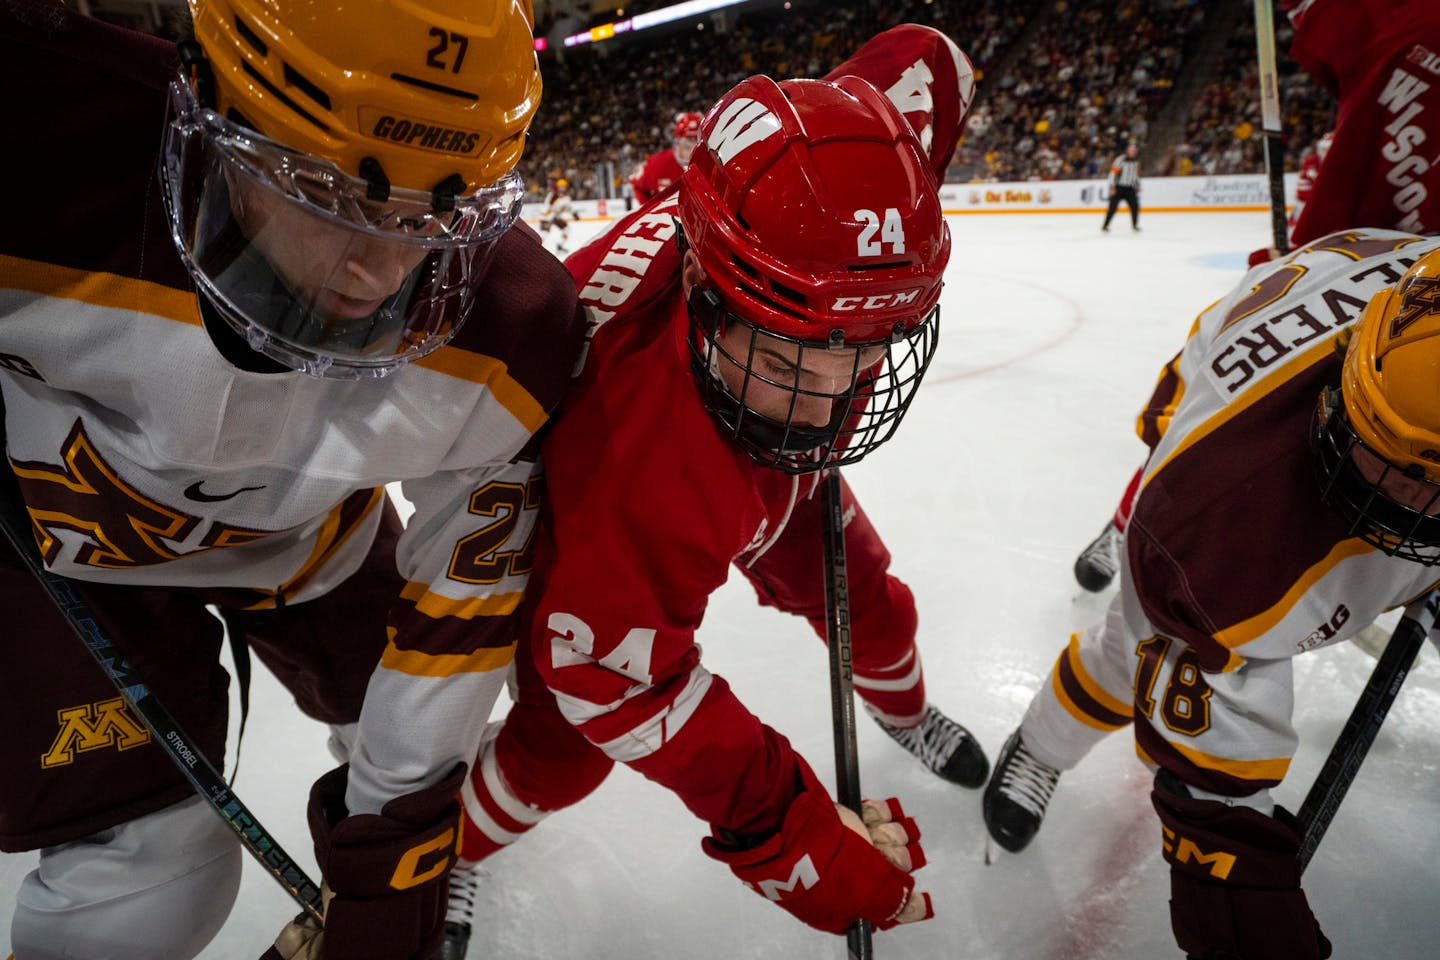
767 319
1309 171
1322 454
1380 59
662 169
366 313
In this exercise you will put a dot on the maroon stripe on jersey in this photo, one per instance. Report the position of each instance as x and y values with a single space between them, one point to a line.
528 315
1162 403
1075 691
1223 530
1206 778
449 636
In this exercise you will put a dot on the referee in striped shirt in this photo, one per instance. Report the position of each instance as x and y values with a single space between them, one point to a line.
1124 182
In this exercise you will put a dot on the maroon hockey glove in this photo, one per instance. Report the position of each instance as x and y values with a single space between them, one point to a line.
389 873
826 873
1234 880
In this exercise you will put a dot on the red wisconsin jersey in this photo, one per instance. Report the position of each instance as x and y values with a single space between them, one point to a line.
1381 61
661 170
648 507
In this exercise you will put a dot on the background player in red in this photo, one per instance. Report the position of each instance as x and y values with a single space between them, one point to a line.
769 319
664 168
1380 59
224 331
1309 171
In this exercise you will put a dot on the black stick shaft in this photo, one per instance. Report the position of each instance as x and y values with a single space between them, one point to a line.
1340 767
842 679
1269 77
206 780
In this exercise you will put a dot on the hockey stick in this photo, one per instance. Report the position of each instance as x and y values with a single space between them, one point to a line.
1270 121
842 679
1343 763
207 781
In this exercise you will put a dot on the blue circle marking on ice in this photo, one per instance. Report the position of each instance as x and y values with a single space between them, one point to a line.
1227 260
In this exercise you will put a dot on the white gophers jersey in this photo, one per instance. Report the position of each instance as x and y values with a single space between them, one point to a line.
145 457
1231 550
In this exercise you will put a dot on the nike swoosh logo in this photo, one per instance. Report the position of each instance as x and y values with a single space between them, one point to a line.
193 492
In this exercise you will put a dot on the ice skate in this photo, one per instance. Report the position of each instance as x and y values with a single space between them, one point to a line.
460 911
944 746
1016 797
1097 563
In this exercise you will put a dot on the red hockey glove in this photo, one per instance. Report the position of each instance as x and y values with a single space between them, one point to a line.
1234 880
388 873
829 874
1263 255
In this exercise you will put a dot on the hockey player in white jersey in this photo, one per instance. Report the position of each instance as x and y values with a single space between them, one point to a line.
557 215
1312 436
254 281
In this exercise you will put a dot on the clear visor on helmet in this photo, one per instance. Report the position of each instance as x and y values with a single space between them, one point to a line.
799 405
303 260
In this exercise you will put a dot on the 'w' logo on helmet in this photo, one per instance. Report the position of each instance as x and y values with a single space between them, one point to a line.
1420 298
91 727
745 122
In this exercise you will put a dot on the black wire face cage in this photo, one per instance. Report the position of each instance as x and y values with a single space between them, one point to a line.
1395 528
862 417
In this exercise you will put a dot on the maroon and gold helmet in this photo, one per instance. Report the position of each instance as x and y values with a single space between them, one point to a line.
812 211
1376 440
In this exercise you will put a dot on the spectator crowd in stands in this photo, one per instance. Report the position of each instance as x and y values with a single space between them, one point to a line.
1223 131
615 101
1063 86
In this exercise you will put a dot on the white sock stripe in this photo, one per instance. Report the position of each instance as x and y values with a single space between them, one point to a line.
509 804
482 820
654 733
906 682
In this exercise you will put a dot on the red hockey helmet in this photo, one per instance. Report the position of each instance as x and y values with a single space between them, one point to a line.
814 216
687 125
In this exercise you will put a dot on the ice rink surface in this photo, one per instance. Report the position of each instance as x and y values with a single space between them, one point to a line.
1011 459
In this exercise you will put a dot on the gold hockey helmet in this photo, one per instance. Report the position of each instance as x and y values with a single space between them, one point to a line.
1391 381
1377 439
425 89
